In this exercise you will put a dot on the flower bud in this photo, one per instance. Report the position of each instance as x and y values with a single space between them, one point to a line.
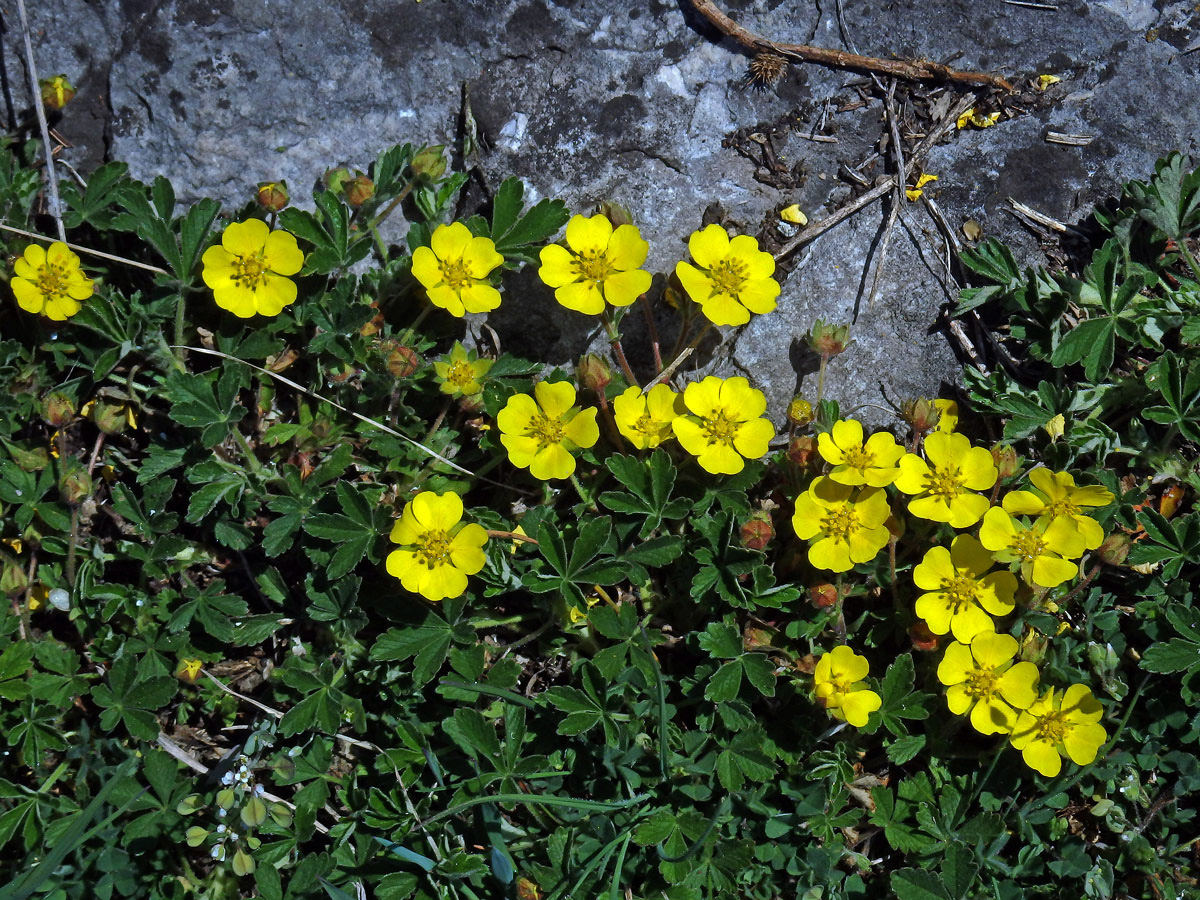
109 417
922 638
56 91
757 531
799 412
823 595
1005 457
272 195
1168 504
335 179
359 190
403 361
1114 550
616 213
57 409
429 162
828 340
594 373
75 485
801 449
920 414
757 639
528 890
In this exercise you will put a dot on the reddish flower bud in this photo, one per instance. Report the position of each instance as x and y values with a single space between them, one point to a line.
922 638
828 340
920 414
1115 549
757 531
801 449
272 195
1006 459
823 596
403 361
616 213
594 373
359 190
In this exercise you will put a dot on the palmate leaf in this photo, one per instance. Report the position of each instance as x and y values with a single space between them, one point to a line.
1171 200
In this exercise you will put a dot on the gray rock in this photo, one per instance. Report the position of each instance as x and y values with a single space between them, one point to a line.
634 102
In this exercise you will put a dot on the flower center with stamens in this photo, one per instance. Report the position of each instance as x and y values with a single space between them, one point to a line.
728 276
1027 545
647 426
981 682
944 483
1063 507
859 458
433 548
52 280
1052 728
840 523
720 428
960 591
250 271
460 374
546 431
593 265
454 273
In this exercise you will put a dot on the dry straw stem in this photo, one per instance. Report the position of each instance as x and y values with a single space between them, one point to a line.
78 249
910 70
36 90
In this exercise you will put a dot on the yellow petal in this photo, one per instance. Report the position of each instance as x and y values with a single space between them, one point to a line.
709 245
721 309
956 664
245 238
626 249
282 255
793 214
554 397
480 257
589 234
552 462
582 296
582 430
450 241
558 266
622 288
858 705
478 298
425 267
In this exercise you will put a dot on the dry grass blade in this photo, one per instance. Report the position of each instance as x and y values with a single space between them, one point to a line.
78 249
1071 140
40 109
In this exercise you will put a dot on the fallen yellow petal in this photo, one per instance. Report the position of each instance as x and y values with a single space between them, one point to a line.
965 118
793 214
1056 427
914 193
1044 81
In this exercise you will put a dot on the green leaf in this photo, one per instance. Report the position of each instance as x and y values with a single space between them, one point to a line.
917 884
959 869
721 640
904 749
1171 201
725 682
1175 655
507 205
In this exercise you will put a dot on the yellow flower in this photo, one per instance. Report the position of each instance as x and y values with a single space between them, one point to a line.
981 677
914 193
733 278
598 264
56 91
948 420
540 434
247 270
1058 725
943 486
49 281
1044 550
459 372
645 419
726 426
848 524
189 670
961 591
855 462
840 688
1056 496
437 550
455 271
1056 427
970 117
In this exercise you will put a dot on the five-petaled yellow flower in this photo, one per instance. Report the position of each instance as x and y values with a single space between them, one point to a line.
646 419
725 427
840 688
1044 549
598 264
437 550
855 462
1058 725
459 372
454 270
49 282
962 592
1055 496
731 278
540 433
982 678
943 486
247 270
848 523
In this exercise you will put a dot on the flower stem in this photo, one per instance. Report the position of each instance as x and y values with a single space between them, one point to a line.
1187 255
251 459
614 340
583 494
180 310
658 363
821 378
374 223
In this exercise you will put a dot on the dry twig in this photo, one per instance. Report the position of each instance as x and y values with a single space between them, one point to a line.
910 70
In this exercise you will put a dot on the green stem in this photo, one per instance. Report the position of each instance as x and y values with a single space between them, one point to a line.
251 459
583 494
379 244
1187 255
821 378
374 223
180 309
72 542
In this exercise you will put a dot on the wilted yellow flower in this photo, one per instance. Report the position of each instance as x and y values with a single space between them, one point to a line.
970 117
540 433
982 678
1044 550
854 461
49 282
731 278
945 484
1056 427
598 265
793 215
454 270
726 426
840 688
247 270
847 523
189 670
1044 81
438 551
915 192
1058 725
646 419
961 590
459 372
56 91
1055 496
